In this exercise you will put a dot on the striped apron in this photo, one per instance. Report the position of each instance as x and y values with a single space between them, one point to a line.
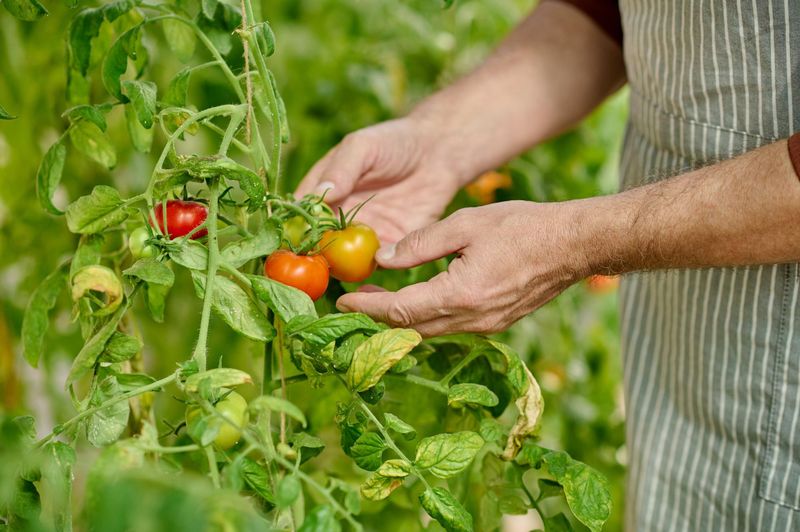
711 357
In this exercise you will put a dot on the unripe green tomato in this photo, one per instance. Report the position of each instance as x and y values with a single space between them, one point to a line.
137 243
295 229
234 408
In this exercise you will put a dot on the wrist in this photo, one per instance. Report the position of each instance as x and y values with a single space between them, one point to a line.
604 234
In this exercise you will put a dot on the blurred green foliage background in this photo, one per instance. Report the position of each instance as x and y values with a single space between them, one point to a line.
340 65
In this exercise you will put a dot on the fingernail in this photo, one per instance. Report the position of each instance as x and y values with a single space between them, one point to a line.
386 252
324 187
341 307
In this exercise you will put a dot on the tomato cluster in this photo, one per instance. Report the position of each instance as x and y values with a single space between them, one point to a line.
346 254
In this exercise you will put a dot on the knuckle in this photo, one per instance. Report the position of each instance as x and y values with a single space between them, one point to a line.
399 315
414 242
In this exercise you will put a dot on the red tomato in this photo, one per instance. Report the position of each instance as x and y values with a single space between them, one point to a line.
308 273
182 218
350 252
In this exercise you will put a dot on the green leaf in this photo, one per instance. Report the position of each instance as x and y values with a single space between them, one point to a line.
398 425
367 451
587 491
92 113
142 95
343 354
209 7
211 167
36 320
4 114
191 254
180 38
446 455
121 347
308 445
151 271
93 143
158 278
442 506
491 430
217 378
256 478
178 89
264 32
156 299
374 357
320 519
141 137
557 523
114 10
240 252
49 176
286 301
470 394
107 425
94 347
276 404
234 306
101 209
57 475
287 491
27 10
516 370
549 488
116 62
377 487
319 333
83 28
131 381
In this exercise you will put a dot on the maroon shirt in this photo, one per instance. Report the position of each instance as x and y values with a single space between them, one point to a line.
605 13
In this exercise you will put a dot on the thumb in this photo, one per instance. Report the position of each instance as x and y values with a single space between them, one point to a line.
424 245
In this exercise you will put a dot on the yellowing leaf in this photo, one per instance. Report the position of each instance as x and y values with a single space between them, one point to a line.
530 406
377 355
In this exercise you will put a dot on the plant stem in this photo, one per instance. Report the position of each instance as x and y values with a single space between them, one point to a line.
280 341
472 355
272 101
389 441
105 404
212 466
419 381
199 354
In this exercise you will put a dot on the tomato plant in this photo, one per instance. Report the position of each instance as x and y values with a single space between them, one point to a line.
445 426
308 273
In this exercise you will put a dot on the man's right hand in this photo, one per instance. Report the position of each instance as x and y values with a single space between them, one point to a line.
396 164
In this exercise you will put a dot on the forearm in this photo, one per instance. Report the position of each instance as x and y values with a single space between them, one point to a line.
743 211
553 69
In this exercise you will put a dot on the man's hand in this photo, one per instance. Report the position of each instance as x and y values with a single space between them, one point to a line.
513 257
392 163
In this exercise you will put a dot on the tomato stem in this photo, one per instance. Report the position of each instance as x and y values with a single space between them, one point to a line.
199 354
